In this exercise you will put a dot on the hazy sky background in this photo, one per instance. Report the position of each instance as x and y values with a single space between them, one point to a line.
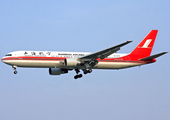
139 93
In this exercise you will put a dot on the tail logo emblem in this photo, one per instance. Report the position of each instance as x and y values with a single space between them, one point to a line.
147 43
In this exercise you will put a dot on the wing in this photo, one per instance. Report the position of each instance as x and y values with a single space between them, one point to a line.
103 53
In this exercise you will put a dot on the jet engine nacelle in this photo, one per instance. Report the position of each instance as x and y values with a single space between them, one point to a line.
57 71
71 62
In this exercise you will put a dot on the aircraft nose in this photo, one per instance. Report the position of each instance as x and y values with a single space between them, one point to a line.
3 60
6 60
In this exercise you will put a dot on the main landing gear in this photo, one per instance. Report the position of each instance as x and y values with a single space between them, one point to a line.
15 67
87 71
80 75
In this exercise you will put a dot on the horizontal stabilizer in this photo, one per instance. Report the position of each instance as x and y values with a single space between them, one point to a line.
153 56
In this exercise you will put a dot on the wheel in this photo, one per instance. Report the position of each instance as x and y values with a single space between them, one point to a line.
80 75
15 72
89 71
85 71
76 76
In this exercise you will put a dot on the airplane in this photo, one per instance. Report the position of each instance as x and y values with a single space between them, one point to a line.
62 62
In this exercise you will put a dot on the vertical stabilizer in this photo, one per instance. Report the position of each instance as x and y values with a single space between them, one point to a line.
145 46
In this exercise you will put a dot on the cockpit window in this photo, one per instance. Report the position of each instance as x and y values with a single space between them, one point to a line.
9 55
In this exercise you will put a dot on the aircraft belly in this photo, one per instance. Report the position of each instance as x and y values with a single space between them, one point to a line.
115 65
57 64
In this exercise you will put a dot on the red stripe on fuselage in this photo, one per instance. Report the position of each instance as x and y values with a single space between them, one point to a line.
34 58
62 58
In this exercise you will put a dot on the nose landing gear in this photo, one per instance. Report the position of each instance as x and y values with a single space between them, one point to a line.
15 67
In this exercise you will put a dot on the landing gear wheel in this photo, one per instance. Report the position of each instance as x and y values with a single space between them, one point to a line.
78 76
15 72
75 77
87 71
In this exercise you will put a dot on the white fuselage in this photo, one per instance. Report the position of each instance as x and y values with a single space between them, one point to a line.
49 59
62 62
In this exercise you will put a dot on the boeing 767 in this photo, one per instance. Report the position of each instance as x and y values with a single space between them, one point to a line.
62 62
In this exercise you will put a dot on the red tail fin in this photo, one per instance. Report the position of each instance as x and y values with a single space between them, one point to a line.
145 47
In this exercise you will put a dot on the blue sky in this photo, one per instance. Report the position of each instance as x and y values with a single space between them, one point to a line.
87 26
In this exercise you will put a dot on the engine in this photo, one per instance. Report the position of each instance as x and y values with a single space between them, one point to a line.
57 71
71 62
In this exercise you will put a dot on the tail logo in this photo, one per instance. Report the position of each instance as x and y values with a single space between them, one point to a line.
147 43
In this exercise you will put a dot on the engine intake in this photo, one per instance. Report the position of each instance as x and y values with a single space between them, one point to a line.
57 71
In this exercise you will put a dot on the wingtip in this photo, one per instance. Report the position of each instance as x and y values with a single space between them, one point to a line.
165 52
129 41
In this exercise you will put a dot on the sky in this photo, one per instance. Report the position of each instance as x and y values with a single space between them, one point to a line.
138 93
